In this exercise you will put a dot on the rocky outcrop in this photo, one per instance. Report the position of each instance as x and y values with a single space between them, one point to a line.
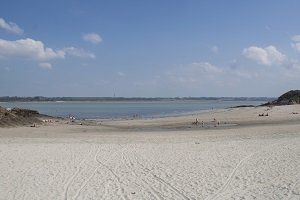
288 98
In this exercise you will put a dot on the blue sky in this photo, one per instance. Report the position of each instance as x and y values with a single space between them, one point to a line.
140 48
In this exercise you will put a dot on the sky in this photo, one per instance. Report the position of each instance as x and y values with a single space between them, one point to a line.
149 48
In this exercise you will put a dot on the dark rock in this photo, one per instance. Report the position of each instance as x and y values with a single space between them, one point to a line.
243 106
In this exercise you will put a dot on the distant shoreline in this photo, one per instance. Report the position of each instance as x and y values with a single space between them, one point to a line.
127 99
126 109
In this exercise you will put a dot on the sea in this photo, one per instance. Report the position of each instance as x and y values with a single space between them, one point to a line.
127 109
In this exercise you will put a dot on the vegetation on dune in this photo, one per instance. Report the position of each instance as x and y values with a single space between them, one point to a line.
18 117
289 98
292 97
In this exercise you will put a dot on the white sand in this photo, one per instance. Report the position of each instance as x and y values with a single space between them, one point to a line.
157 159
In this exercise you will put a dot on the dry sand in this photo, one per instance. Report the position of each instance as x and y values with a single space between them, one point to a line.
244 157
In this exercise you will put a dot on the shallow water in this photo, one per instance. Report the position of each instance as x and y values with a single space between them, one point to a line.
144 109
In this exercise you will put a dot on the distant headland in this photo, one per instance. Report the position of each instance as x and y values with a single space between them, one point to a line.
289 98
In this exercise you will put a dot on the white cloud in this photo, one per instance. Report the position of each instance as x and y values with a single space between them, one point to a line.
10 26
264 56
296 42
296 46
243 74
293 65
6 69
92 38
47 66
36 50
121 74
296 38
215 49
207 67
234 64
194 73
197 78
72 51
28 49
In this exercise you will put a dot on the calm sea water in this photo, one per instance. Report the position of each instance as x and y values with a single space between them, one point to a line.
144 109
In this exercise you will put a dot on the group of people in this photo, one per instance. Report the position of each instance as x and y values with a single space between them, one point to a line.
196 122
262 115
72 118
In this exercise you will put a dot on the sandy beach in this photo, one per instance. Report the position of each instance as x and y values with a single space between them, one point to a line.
230 154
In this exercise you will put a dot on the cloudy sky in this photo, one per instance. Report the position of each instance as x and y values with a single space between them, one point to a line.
141 48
